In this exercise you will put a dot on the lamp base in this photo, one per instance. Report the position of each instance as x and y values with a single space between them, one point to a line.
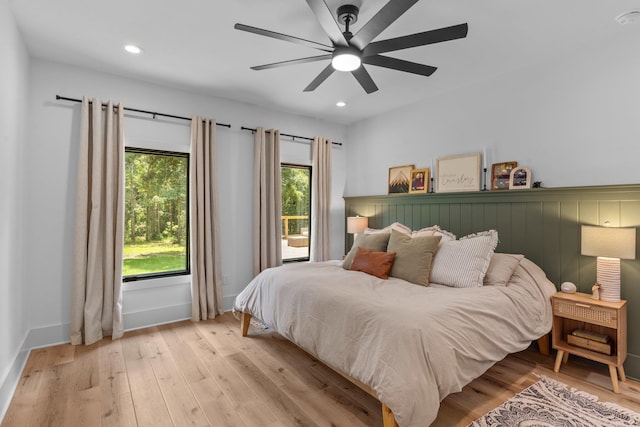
608 276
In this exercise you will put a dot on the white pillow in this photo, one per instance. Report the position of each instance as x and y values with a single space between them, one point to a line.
463 263
501 269
427 231
395 226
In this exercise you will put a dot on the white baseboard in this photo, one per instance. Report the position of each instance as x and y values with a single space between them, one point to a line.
160 316
10 381
48 336
156 316
59 334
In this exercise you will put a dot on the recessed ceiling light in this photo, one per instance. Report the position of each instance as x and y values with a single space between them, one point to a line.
341 104
133 49
628 17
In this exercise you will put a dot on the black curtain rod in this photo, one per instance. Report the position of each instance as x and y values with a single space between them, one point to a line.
291 136
153 113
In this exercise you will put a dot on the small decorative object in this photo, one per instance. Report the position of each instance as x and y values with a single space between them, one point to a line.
458 173
399 179
419 180
591 340
537 184
520 178
500 175
568 288
595 291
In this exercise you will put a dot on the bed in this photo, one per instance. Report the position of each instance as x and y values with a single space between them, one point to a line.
409 345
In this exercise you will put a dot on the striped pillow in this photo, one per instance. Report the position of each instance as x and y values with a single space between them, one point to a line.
463 263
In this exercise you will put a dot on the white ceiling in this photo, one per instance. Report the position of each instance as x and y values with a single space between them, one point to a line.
192 44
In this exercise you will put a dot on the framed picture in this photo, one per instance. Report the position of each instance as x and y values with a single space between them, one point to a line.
501 174
399 179
520 178
419 181
458 173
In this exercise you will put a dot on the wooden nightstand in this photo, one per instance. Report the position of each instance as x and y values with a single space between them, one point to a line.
579 311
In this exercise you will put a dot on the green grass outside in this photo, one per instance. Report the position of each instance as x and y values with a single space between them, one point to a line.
154 257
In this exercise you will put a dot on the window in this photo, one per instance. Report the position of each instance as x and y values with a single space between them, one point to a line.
296 212
156 216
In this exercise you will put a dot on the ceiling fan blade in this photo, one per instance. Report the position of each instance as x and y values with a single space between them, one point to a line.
328 22
279 36
291 62
385 17
400 65
324 74
418 39
365 80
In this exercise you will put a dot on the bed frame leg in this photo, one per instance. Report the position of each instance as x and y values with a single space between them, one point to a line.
543 344
246 320
388 420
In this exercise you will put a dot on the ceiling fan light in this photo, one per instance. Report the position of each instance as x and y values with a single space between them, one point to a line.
346 59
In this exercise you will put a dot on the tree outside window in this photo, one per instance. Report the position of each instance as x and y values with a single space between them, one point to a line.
296 211
156 223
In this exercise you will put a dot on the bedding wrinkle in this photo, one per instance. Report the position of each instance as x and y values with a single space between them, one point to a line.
413 345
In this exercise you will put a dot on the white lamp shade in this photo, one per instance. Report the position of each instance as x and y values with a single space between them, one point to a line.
357 224
608 242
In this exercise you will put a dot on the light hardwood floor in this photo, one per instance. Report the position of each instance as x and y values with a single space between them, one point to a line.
206 374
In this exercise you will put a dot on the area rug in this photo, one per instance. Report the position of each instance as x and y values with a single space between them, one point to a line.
550 403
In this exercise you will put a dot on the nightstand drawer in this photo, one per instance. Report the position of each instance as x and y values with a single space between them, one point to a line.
586 312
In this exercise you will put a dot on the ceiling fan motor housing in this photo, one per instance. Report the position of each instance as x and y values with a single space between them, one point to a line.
348 14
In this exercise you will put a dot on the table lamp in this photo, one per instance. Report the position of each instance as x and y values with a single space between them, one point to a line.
356 224
609 244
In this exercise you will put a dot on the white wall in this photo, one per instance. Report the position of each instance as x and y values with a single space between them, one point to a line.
573 121
13 100
51 171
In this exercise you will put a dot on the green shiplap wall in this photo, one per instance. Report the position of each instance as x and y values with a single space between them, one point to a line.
543 224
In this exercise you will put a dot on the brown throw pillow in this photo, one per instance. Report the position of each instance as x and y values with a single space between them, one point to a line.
372 242
375 263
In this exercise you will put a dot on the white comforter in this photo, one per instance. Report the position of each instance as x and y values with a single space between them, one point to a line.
412 344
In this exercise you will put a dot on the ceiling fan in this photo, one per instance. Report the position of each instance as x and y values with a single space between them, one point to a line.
348 51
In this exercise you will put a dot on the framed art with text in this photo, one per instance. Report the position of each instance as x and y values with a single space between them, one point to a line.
458 173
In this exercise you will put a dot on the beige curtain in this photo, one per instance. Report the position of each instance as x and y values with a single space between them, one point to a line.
206 275
321 200
96 295
267 201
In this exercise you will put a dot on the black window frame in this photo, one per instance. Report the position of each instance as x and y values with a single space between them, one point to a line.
310 169
164 274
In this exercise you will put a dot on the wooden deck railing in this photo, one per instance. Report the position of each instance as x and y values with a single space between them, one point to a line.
286 218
